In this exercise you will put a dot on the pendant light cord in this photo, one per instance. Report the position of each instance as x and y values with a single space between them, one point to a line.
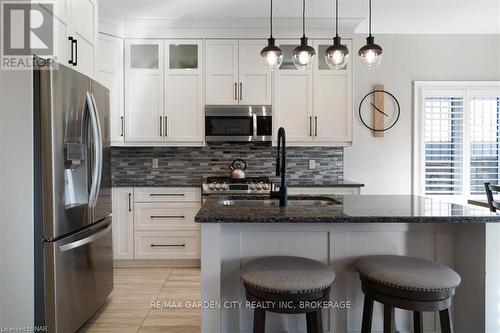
271 19
336 18
370 19
303 18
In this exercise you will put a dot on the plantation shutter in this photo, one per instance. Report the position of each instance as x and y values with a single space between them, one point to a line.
443 145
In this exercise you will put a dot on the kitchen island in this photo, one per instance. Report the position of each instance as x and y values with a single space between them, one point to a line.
337 230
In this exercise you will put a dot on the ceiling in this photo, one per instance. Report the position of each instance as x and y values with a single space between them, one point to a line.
389 16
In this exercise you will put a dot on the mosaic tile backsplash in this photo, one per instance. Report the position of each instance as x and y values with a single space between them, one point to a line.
189 166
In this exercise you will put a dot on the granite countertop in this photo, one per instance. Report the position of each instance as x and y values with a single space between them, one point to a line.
196 182
342 209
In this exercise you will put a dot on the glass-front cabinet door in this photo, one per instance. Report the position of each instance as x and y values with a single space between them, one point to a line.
183 92
143 90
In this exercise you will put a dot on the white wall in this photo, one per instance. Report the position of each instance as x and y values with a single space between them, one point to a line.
384 165
16 200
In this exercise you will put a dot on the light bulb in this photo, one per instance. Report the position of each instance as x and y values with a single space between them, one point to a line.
303 55
337 55
371 53
272 56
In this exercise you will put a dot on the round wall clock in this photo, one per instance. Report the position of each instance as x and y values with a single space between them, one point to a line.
379 110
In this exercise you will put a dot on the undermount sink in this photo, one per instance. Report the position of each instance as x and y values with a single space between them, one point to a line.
292 201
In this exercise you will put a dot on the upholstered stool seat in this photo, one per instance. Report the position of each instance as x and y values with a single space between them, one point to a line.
408 283
287 279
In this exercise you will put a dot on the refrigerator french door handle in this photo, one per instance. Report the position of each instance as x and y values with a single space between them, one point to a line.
86 240
96 134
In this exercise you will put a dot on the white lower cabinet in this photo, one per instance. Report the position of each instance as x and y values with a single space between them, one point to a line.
123 223
156 223
167 245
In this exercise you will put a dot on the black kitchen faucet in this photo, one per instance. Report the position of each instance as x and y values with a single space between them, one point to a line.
282 193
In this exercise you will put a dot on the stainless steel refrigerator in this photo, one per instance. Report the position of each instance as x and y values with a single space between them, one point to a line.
73 247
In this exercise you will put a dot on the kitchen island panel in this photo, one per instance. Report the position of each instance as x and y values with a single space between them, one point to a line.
337 245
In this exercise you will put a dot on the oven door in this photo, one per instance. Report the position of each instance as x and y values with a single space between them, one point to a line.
237 123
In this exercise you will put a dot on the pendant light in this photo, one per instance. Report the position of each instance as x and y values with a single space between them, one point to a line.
272 56
336 56
371 53
303 55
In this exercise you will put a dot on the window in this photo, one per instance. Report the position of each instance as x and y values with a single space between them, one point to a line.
457 137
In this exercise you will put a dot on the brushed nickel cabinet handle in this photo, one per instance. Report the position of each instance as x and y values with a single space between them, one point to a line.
161 124
167 245
315 126
167 217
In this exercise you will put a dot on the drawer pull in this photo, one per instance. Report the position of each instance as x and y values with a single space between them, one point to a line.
166 194
167 217
167 245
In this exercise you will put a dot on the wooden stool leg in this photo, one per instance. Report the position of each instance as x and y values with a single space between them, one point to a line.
259 321
389 326
445 319
314 322
366 325
418 322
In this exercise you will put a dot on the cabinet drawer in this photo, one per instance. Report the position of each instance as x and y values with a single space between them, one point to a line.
167 245
167 194
165 216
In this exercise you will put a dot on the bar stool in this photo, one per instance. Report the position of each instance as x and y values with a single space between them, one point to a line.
494 205
407 283
289 280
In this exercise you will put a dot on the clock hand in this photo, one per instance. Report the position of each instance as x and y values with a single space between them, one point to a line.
379 110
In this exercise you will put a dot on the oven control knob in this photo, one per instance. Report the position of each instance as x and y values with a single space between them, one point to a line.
259 187
224 186
252 187
266 187
211 186
217 186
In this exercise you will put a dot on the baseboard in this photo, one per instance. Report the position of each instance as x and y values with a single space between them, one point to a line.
158 263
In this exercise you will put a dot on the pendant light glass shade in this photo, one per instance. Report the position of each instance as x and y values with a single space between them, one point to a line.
303 55
272 56
371 53
337 55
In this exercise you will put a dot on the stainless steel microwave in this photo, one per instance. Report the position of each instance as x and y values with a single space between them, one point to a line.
238 123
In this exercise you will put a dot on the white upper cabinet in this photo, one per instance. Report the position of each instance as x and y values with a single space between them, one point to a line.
315 105
164 92
254 78
293 99
110 74
222 72
144 120
183 93
332 99
83 31
235 74
75 34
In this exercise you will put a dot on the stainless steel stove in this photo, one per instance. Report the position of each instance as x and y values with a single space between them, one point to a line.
228 186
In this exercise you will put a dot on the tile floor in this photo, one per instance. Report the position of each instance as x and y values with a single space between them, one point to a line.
128 309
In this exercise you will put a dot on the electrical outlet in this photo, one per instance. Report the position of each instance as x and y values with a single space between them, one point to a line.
312 164
154 163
